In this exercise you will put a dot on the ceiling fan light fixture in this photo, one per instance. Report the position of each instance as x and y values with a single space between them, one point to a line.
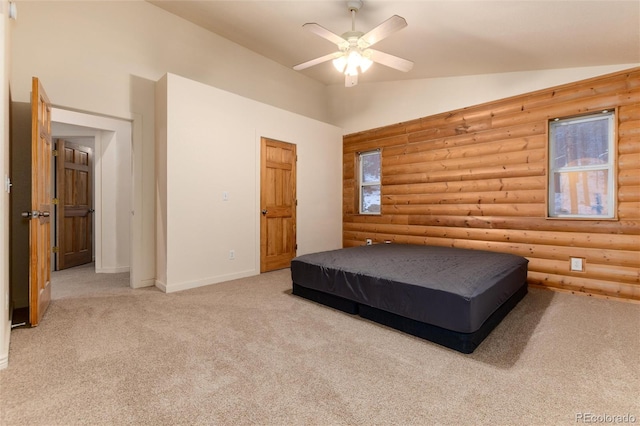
353 59
365 63
340 63
351 70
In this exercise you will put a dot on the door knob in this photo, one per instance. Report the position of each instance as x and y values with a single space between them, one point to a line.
26 214
45 214
264 212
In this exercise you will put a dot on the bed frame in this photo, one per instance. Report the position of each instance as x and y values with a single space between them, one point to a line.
453 297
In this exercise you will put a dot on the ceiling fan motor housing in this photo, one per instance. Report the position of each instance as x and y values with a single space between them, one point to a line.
354 6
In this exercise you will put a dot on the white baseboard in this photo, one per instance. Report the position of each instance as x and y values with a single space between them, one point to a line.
161 286
203 282
114 270
4 350
146 283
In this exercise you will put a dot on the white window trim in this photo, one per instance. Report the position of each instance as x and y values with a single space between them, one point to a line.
362 184
609 167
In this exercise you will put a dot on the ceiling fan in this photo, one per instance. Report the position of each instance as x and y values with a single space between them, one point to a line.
355 51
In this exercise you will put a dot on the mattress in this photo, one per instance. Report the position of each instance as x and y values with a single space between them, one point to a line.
450 288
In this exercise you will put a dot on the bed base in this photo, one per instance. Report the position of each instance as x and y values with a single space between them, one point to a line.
461 342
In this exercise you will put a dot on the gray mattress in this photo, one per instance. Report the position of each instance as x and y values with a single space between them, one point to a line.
456 289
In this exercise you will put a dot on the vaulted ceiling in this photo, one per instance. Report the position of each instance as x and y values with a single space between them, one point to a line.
443 38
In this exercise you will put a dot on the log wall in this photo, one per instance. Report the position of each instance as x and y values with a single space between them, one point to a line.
477 178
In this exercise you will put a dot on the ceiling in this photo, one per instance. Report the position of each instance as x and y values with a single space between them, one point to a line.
443 38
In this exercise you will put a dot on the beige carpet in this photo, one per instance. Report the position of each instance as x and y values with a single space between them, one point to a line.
249 352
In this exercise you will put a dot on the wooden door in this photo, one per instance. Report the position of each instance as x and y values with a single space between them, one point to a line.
73 188
278 204
40 217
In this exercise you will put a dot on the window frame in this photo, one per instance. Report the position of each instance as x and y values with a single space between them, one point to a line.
610 167
360 181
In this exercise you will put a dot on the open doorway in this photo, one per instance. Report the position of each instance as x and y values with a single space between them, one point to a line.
114 229
109 142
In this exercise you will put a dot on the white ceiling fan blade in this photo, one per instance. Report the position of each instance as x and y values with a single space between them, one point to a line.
317 61
326 34
350 80
383 30
390 60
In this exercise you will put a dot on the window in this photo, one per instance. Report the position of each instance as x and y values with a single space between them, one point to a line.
581 169
369 182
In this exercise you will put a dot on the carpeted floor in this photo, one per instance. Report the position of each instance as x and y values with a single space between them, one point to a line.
249 352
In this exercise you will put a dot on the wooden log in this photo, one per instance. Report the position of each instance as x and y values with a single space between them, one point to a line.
530 210
505 184
625 258
629 112
585 285
491 197
629 210
494 172
629 193
385 132
477 150
421 133
369 145
629 161
566 239
631 227
517 131
629 177
397 219
629 128
629 145
592 270
618 258
532 156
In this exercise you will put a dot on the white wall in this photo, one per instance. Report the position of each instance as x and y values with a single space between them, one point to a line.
212 146
5 323
104 57
91 54
371 105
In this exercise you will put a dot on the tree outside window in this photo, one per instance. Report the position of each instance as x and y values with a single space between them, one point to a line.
581 183
369 181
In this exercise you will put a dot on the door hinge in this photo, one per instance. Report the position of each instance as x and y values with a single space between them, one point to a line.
54 201
54 152
296 247
55 249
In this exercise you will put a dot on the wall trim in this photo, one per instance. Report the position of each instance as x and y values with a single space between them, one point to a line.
4 356
187 285
113 270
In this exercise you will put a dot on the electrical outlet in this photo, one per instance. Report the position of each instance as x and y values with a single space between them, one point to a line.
232 254
369 241
577 264
225 196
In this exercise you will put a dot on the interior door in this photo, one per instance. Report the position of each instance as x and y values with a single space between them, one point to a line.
278 204
73 188
40 215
